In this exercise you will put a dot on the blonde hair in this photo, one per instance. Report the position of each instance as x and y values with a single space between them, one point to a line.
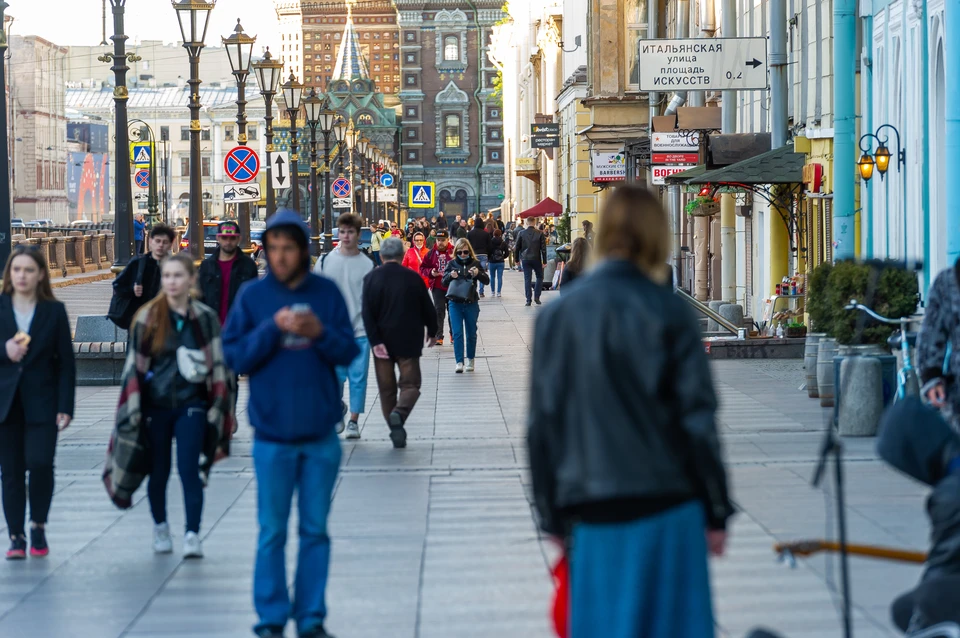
464 243
633 226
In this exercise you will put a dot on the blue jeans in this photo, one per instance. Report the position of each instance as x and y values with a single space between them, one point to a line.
463 320
188 425
376 258
496 277
356 372
531 268
485 263
311 470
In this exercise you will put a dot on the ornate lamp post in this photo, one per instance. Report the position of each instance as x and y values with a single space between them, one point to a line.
318 116
372 154
268 73
239 48
361 147
194 17
6 232
292 94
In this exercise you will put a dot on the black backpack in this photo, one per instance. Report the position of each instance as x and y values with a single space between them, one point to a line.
124 305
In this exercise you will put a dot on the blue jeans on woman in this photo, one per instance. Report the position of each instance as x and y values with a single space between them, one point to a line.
188 425
496 277
484 263
463 320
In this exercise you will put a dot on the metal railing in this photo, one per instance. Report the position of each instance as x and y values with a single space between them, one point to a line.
709 312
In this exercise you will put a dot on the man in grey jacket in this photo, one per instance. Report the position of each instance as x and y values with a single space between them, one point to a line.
531 252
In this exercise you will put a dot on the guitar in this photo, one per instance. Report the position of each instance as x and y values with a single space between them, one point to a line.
805 548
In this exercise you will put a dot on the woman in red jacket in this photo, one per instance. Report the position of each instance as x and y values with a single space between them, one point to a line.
414 257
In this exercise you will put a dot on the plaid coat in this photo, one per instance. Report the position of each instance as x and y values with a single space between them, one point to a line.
128 456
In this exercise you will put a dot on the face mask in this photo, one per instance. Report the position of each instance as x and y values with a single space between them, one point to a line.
463 260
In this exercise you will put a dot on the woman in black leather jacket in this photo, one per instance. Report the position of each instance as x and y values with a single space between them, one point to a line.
464 308
624 453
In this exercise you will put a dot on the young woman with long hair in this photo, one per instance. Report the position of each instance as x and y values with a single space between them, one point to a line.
176 384
637 489
464 306
577 263
37 383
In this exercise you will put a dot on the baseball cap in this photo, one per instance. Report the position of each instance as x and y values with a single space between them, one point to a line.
442 233
228 229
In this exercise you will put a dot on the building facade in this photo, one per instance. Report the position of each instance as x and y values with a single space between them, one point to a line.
159 65
37 71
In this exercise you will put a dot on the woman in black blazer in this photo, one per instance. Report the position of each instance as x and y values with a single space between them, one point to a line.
37 382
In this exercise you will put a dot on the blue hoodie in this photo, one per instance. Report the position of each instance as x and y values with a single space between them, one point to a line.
294 394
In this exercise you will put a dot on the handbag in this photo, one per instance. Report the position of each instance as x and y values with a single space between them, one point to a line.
192 364
460 289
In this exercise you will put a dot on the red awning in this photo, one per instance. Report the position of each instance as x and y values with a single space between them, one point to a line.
546 208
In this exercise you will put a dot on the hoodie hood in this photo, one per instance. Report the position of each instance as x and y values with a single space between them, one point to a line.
288 217
913 438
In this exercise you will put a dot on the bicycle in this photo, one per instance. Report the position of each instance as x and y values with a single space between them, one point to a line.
908 381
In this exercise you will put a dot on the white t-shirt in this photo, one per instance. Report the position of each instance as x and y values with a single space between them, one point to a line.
348 274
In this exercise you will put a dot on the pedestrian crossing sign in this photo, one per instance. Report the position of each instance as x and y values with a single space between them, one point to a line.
422 194
140 153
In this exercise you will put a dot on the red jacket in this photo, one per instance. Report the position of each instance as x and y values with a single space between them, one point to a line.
414 260
435 260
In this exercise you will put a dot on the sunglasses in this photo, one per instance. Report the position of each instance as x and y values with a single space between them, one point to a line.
463 252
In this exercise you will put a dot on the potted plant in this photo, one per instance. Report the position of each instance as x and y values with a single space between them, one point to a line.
820 316
702 206
795 330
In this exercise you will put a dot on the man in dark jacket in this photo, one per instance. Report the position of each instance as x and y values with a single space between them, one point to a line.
441 221
433 266
223 272
531 252
289 331
480 239
140 280
399 318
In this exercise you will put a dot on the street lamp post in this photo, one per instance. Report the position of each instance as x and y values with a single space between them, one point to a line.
6 232
337 129
881 161
239 48
268 73
361 148
318 116
372 153
194 17
292 94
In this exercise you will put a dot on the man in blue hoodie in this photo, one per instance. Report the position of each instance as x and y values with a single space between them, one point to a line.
288 332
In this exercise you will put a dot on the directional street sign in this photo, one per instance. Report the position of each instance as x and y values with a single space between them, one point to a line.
341 202
234 193
280 170
387 195
340 188
421 194
141 197
140 153
386 180
143 178
710 64
242 164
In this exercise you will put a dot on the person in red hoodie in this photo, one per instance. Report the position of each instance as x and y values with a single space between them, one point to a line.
413 259
432 269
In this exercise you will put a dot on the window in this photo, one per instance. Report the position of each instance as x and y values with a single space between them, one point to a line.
252 132
205 166
451 131
184 133
227 133
164 133
451 49
185 167
635 19
205 134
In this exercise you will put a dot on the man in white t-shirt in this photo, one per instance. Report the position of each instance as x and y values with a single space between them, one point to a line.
347 266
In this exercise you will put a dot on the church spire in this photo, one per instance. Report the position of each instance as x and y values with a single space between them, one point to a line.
351 64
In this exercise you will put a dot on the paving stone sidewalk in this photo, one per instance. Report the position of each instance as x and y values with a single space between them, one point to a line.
438 540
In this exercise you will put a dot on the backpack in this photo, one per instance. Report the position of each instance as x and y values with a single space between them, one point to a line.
123 305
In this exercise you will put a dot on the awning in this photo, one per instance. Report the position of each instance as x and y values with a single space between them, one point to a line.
779 166
546 208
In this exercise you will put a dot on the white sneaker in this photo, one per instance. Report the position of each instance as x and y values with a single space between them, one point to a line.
460 368
343 416
162 543
353 430
192 547
470 366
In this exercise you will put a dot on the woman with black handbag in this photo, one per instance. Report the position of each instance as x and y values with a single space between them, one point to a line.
461 278
177 385
37 385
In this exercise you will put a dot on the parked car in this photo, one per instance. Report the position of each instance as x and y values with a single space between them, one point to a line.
366 235
81 223
16 222
256 243
46 223
209 238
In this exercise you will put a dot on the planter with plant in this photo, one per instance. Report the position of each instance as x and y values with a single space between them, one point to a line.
702 206
795 330
819 316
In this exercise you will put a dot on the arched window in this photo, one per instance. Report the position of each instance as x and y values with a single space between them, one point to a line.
451 131
451 49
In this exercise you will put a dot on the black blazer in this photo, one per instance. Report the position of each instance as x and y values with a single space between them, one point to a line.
46 377
397 310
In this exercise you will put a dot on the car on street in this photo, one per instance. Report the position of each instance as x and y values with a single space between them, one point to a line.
16 222
209 238
366 235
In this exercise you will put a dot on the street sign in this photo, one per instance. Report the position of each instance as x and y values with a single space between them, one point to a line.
341 202
140 197
140 154
421 194
279 170
675 143
386 180
143 178
236 193
660 173
709 64
675 158
388 195
340 188
242 164
544 141
549 129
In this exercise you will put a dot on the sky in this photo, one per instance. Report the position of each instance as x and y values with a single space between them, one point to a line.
143 19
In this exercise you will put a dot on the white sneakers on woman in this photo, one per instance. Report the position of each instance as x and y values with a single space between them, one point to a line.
192 547
470 366
459 369
162 543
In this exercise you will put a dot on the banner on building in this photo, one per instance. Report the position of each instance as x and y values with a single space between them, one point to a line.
88 186
661 173
608 166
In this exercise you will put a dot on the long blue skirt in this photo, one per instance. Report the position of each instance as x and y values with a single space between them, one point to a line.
647 578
